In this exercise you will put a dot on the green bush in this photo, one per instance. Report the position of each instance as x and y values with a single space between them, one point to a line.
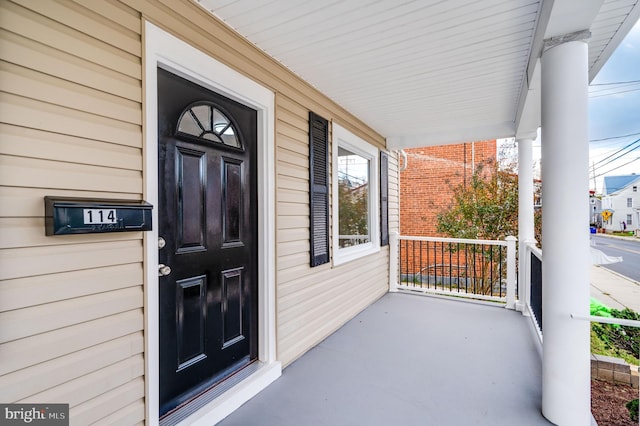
632 406
622 337
612 339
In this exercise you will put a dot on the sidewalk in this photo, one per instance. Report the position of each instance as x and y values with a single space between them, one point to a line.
614 290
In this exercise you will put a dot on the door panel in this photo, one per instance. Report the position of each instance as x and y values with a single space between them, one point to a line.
208 219
232 201
191 305
232 307
190 185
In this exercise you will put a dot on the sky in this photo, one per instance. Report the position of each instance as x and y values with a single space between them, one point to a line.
614 115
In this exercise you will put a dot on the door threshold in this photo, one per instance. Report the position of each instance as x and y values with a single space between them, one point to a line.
221 400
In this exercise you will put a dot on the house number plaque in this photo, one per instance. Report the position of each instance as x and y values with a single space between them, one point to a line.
65 216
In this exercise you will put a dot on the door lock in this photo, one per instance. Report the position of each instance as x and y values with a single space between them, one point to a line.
161 242
163 270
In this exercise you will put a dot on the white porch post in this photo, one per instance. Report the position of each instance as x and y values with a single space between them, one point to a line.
525 215
565 224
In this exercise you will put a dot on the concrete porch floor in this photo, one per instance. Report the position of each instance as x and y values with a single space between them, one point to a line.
411 360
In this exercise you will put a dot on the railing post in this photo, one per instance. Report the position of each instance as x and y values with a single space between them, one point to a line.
394 253
511 272
523 280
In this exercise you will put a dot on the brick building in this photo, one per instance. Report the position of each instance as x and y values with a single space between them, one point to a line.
431 173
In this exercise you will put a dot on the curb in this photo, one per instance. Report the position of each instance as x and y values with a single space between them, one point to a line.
619 275
617 237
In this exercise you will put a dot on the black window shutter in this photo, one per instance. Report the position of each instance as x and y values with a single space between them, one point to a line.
319 188
384 198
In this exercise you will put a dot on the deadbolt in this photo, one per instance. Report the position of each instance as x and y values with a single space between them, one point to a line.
161 242
163 270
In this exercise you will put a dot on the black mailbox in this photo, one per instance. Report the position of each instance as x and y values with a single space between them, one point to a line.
65 216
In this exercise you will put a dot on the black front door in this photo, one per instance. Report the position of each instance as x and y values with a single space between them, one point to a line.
207 238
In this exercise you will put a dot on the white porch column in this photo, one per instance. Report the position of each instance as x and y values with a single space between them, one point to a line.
525 214
565 224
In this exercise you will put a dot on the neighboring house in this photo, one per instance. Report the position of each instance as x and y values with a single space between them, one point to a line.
428 178
621 203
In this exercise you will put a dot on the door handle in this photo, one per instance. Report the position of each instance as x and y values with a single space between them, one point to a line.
163 270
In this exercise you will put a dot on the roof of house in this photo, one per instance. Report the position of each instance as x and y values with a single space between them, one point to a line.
616 183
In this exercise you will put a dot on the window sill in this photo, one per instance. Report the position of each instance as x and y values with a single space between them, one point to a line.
349 254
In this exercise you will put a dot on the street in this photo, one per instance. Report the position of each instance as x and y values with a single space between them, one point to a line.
628 249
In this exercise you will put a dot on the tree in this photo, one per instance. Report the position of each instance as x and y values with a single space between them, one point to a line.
486 207
353 212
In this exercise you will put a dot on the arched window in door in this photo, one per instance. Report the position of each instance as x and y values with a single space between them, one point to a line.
205 121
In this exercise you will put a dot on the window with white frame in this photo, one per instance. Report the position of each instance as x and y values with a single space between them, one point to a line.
355 196
635 189
629 220
629 202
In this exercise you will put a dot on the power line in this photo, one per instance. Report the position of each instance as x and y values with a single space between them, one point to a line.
607 90
620 150
597 165
614 159
614 93
597 154
616 168
615 82
614 137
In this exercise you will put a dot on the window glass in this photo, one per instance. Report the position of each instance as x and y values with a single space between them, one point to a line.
629 202
355 192
206 122
353 198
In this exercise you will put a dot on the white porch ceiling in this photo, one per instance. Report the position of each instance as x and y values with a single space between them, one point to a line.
426 72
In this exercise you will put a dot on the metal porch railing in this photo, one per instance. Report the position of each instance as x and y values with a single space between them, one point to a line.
533 284
477 269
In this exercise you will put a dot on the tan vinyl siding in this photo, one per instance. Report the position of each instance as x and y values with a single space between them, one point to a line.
52 316
71 126
23 112
132 414
35 56
44 88
394 193
34 261
312 302
49 374
28 351
61 29
43 145
19 171
24 292
93 384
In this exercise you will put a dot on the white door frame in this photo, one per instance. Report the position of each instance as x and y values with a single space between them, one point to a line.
168 52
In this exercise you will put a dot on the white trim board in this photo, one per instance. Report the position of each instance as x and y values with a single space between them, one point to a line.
170 53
